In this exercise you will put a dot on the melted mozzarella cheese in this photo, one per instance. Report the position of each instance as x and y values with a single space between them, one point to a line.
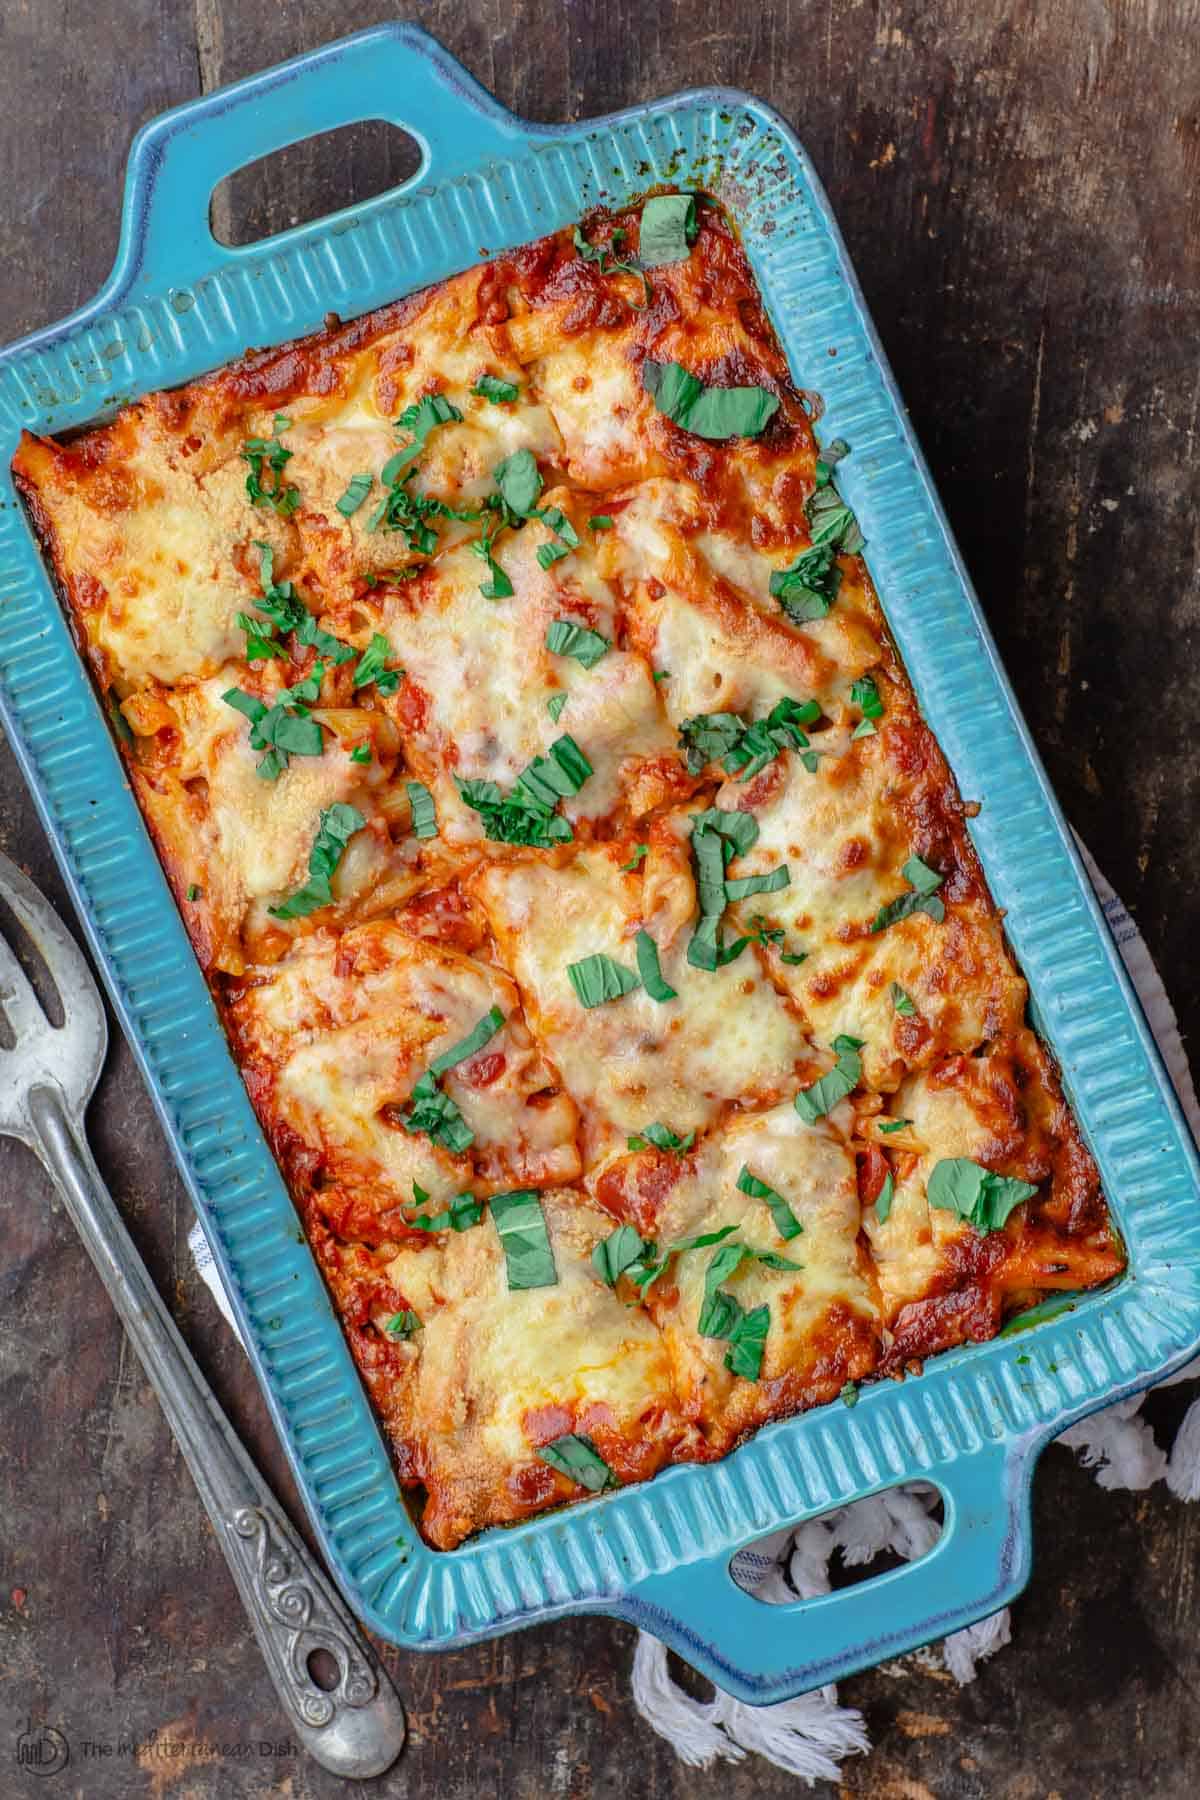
633 1061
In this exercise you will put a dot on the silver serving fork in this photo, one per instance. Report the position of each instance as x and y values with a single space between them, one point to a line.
356 1728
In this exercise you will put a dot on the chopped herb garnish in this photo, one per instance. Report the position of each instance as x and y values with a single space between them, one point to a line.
707 412
745 885
463 1212
357 489
555 704
978 1195
640 852
598 979
650 971
902 1002
120 723
261 644
527 815
661 1137
193 892
521 1225
401 509
865 695
519 481
849 1394
622 1249
923 884
433 1111
725 737
565 638
336 827
424 813
884 1198
283 729
606 261
600 522
894 1125
403 1324
717 836
370 667
268 459
498 586
498 391
578 1459
361 753
721 1316
786 1222
809 587
471 1045
286 612
568 538
657 675
668 229
812 1103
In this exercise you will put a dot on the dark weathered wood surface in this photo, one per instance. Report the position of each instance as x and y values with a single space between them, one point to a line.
1018 185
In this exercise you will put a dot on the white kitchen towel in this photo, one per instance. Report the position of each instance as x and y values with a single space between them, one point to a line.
811 1735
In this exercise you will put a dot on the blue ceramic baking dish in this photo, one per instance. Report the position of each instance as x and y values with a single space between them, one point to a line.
177 304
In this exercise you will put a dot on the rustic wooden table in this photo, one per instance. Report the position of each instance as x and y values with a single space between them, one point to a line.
1018 186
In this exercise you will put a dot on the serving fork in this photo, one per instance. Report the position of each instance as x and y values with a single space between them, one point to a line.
356 1726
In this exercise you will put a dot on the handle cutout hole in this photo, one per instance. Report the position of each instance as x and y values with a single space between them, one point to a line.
311 179
322 1667
843 1548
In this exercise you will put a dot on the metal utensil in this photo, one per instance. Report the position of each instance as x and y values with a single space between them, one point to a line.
356 1727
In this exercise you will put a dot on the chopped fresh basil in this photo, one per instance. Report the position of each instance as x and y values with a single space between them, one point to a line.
598 979
463 1212
527 815
361 753
578 1459
265 484
521 1224
600 522
812 1103
498 391
707 412
668 229
786 1222
606 261
619 1251
555 704
283 729
922 896
640 852
849 1394
498 586
403 1325
479 1035
894 1125
286 612
336 827
370 667
902 1002
721 1316
519 481
661 1137
357 489
424 813
650 970
434 1112
884 1198
565 638
261 644
401 509
718 835
193 892
745 885
978 1195
808 588
708 738
865 695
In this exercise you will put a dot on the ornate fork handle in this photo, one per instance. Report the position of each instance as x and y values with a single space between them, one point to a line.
355 1728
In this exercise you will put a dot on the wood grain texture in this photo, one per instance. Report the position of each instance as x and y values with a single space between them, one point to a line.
1018 186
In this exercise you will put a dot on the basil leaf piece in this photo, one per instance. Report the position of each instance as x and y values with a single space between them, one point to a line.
786 1222
661 1137
600 522
650 970
808 588
265 484
476 1038
370 666
668 229
357 489
708 738
424 812
519 481
884 1198
902 1002
747 1342
463 1212
578 1459
498 391
606 261
439 1117
260 638
640 851
848 1394
746 885
707 412
555 704
865 695
619 1251
831 523
498 586
598 979
737 828
978 1195
521 1224
193 892
361 753
527 815
812 1103
565 638
336 827
894 1125
403 1325
828 460
922 897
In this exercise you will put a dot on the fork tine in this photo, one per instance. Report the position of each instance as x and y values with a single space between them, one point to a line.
82 1008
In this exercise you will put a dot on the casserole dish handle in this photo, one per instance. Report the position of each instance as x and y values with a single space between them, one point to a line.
761 1652
394 72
